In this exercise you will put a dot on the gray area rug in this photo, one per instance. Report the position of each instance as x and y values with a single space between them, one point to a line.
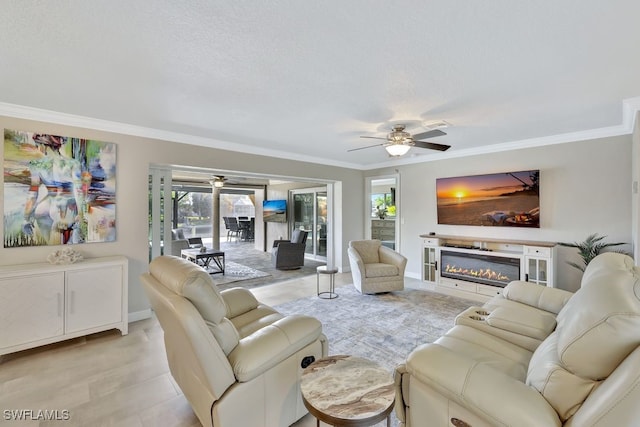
235 272
244 253
382 327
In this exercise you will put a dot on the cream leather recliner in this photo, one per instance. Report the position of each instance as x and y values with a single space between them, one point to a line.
534 356
237 361
375 268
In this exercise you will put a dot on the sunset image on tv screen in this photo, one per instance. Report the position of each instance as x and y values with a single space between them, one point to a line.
510 199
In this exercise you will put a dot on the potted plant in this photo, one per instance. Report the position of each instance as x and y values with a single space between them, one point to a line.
589 249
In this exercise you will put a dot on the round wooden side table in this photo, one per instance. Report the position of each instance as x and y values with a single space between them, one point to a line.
323 269
348 391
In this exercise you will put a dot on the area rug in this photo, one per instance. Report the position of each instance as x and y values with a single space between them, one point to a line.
382 327
235 272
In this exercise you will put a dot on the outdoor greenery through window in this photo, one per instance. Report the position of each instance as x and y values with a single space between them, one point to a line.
382 205
194 213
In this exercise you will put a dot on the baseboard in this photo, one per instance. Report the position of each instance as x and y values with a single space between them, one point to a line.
139 315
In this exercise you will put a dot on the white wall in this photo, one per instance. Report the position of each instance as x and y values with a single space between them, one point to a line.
635 190
135 154
584 188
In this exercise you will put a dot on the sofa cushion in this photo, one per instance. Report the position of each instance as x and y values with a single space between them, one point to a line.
192 282
534 295
600 326
564 391
532 324
367 249
597 329
377 269
226 335
487 349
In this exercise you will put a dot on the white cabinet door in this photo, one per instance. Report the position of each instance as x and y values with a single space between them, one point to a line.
94 298
31 308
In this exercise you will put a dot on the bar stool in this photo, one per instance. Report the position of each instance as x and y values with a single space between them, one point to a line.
331 293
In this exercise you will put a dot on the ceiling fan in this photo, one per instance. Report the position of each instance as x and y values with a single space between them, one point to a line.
218 181
398 142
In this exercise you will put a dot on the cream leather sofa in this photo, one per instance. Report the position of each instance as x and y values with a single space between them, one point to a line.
237 361
535 356
375 268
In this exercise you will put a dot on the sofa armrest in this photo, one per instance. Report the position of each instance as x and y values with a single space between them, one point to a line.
389 256
278 241
357 265
532 294
265 348
401 392
239 301
484 391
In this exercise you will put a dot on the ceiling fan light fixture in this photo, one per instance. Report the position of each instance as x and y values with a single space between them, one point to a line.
397 150
218 182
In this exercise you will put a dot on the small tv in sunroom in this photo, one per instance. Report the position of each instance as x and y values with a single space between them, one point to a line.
508 199
274 211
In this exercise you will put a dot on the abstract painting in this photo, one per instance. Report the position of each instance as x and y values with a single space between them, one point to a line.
58 190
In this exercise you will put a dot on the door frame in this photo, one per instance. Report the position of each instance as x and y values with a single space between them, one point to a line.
367 205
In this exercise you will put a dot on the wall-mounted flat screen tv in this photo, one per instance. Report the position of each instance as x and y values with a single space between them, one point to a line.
274 210
509 199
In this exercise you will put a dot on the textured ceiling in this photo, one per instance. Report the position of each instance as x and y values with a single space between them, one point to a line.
308 78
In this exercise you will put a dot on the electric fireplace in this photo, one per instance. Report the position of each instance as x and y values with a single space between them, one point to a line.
479 268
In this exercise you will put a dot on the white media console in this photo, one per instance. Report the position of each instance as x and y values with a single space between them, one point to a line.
42 303
511 260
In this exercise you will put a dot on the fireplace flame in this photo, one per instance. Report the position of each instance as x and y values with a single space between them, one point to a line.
481 273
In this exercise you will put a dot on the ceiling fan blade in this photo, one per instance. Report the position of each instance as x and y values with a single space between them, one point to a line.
368 146
432 146
428 134
374 137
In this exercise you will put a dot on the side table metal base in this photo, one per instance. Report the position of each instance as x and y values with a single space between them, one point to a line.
331 293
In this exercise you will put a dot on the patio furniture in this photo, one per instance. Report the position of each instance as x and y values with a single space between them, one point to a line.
289 254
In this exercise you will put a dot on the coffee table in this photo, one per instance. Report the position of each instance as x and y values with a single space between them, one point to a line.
348 391
207 256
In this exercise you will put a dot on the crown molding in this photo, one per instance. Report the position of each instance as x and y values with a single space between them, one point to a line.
630 109
49 116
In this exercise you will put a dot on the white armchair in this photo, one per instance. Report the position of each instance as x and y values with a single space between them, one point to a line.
376 268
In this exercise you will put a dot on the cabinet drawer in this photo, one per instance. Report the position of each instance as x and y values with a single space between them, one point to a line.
489 290
387 234
431 242
537 251
454 284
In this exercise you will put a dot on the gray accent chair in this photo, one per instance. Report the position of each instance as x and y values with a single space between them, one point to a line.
178 245
375 268
289 254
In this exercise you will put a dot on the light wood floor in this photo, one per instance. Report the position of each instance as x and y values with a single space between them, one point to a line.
111 380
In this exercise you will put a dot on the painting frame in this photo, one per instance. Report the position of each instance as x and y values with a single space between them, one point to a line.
58 190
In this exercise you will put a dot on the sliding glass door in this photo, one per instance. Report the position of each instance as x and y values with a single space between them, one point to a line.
310 214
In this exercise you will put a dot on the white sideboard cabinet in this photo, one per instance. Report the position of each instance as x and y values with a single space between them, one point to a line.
43 303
